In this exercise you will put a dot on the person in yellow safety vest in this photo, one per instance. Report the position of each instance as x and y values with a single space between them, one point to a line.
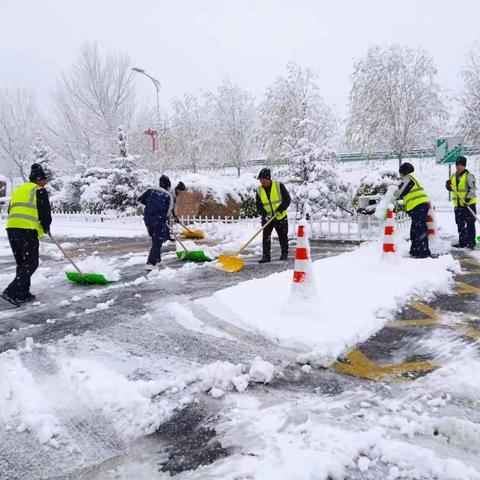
29 218
272 198
464 192
416 205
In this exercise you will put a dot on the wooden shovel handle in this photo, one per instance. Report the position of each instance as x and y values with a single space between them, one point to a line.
465 205
255 236
67 256
176 238
184 226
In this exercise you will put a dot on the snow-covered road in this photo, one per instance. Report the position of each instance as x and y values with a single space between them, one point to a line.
144 379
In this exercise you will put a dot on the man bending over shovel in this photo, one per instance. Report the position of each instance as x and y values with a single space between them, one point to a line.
158 209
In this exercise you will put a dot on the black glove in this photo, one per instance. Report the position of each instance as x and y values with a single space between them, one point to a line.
176 219
448 185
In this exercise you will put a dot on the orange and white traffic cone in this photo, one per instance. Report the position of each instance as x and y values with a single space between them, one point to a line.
432 230
389 232
302 274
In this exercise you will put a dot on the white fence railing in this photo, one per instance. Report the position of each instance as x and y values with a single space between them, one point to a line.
355 228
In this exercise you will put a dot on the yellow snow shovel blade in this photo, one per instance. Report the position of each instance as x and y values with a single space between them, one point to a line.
231 263
193 234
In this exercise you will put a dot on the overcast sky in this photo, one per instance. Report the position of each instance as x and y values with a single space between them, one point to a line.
194 44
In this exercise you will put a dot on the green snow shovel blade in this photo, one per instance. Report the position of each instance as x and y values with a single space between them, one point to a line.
79 276
478 239
193 256
86 278
190 255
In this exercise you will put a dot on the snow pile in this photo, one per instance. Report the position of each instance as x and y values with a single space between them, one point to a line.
25 406
220 377
95 264
356 294
106 401
417 431
261 371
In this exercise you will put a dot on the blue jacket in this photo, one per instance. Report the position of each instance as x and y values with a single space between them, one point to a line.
158 208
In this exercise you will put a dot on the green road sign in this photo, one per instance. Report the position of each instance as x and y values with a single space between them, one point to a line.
448 149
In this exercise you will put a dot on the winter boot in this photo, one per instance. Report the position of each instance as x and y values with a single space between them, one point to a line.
265 259
283 257
28 298
10 299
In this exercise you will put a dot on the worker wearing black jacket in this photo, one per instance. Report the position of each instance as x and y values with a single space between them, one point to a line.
29 218
272 198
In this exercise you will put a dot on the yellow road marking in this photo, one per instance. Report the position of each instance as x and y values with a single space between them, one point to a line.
426 309
470 262
421 322
466 288
361 366
430 312
469 331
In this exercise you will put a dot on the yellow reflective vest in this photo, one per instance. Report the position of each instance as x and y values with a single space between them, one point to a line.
416 196
22 211
271 204
461 188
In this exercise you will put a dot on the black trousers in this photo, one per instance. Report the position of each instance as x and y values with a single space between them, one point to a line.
419 231
281 227
466 226
155 254
24 245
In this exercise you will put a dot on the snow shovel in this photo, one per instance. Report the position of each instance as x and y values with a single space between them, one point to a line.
470 210
79 276
190 255
191 234
233 263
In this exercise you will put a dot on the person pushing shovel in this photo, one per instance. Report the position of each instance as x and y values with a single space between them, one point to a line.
464 195
272 198
29 219
158 210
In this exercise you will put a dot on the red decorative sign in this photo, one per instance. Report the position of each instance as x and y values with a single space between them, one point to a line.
154 135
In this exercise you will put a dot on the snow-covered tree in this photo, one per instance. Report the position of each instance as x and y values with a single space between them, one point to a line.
97 189
292 110
313 180
470 99
395 102
233 123
91 100
191 132
20 123
42 154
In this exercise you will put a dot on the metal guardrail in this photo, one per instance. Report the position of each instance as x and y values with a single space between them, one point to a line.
365 157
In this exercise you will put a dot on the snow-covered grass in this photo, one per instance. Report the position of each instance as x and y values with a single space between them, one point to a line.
355 294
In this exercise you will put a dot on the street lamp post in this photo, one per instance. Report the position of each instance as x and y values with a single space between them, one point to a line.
157 85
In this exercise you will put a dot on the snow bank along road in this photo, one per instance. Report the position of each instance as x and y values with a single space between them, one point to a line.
145 379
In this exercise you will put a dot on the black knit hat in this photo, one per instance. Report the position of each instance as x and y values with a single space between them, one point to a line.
37 173
265 173
164 182
406 168
180 186
461 161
